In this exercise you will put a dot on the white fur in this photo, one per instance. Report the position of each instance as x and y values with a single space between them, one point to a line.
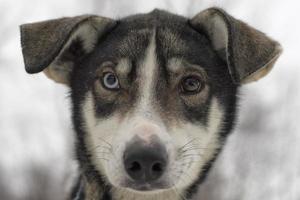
147 73
124 66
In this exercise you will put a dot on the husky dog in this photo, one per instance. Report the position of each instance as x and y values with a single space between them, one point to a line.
154 95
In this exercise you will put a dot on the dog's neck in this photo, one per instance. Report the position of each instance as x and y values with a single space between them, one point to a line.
91 190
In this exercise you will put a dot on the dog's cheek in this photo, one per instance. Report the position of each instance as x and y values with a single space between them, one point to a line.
99 135
198 142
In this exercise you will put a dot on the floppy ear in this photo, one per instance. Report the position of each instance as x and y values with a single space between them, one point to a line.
249 53
51 46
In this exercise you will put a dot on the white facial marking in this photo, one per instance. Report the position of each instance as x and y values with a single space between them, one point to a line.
174 65
146 131
147 72
124 66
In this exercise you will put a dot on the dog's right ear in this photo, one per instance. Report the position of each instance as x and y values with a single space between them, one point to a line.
52 46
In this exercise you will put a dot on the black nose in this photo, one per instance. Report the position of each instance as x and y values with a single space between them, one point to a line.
145 162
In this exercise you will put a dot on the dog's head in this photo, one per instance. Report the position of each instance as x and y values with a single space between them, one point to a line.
154 95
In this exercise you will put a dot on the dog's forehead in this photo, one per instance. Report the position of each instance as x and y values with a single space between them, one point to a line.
173 35
154 19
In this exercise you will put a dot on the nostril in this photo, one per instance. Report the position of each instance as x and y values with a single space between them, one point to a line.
135 167
157 167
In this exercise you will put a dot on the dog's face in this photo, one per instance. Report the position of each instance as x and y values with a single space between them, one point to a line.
152 103
154 95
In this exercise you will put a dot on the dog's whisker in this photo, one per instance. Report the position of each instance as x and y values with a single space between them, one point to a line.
192 145
189 163
187 174
99 155
105 147
195 148
190 158
186 177
188 143
103 152
100 138
117 172
177 192
100 158
101 146
100 152
190 155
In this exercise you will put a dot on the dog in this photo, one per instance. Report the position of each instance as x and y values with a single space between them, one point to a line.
154 96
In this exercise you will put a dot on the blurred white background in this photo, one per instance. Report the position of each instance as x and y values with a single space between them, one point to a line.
260 161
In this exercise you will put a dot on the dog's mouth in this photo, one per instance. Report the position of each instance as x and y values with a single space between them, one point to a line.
145 186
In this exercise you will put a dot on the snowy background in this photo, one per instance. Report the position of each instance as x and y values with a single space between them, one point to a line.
260 161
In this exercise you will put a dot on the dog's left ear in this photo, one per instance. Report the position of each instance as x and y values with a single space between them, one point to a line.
249 53
52 46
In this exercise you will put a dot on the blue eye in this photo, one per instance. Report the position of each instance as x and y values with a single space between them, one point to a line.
110 81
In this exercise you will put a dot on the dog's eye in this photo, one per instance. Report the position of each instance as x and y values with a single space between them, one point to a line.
191 85
110 81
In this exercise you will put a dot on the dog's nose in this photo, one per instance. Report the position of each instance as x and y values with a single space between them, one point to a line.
145 162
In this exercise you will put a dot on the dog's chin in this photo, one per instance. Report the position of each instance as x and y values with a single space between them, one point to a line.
145 188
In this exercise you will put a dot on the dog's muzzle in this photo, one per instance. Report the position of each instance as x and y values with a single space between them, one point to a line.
145 162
